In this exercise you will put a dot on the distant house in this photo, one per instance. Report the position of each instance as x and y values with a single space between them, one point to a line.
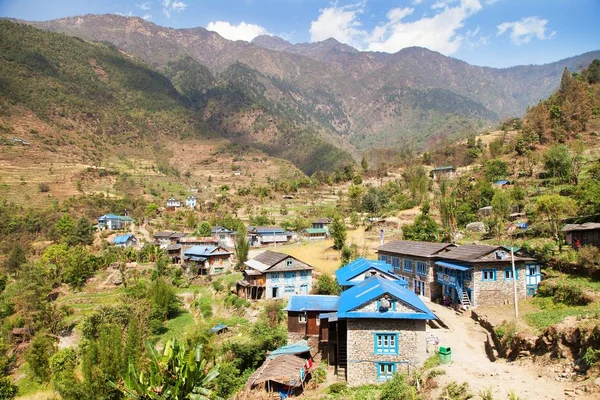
362 269
315 233
127 240
173 203
273 275
322 223
191 241
447 171
502 183
265 235
378 329
113 222
174 252
225 237
470 275
578 235
485 211
190 201
207 260
303 313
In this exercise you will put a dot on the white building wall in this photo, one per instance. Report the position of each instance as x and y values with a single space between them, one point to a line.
293 282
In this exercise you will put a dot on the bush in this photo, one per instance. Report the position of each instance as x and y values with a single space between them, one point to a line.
337 388
398 388
564 293
38 356
589 258
506 331
43 187
319 375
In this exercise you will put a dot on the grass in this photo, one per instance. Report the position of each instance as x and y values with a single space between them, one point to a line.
551 313
176 327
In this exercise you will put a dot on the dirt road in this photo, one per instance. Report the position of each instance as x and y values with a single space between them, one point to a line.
471 364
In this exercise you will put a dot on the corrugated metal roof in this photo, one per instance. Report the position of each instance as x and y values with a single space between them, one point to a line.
312 302
218 328
120 239
316 230
322 221
453 266
372 289
408 247
163 234
262 230
444 168
204 251
220 229
581 227
359 266
270 258
468 252
299 347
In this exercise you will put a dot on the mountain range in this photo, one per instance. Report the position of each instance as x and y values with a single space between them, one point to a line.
307 98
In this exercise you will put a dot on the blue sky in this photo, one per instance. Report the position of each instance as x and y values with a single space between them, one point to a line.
497 33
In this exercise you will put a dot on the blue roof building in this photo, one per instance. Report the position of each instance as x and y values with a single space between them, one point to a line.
127 240
207 260
113 222
360 269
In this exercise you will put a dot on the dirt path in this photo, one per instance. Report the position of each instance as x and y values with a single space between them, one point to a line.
471 364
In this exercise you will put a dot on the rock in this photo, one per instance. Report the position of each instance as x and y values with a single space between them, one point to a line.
476 227
597 381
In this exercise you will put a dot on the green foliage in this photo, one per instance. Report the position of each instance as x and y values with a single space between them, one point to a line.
242 247
592 72
564 293
38 356
349 253
338 233
554 208
102 362
325 284
454 391
163 300
7 389
337 388
501 205
15 260
495 169
398 388
319 375
431 362
423 229
506 331
589 258
178 374
204 229
591 357
62 364
557 163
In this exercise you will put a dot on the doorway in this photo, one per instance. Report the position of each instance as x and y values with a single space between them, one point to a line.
275 292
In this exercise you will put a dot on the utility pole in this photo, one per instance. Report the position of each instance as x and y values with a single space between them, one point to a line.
514 272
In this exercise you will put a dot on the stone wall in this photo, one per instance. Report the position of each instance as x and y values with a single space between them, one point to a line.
432 289
362 360
500 291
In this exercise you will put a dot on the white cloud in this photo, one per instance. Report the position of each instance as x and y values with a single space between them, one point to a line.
129 14
525 29
147 17
173 5
417 2
242 31
440 32
143 6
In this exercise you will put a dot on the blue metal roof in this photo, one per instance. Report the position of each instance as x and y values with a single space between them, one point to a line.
312 302
113 216
501 182
345 274
453 266
374 288
218 328
200 251
296 348
121 239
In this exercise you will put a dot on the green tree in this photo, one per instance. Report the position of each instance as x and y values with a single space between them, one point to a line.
242 247
349 253
371 203
423 229
501 205
338 233
78 267
84 233
593 72
102 362
38 356
325 284
7 389
554 208
65 228
557 163
355 195
495 169
132 351
204 229
448 209
178 374
15 260
364 164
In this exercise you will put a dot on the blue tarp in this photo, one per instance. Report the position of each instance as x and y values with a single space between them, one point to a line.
452 266
296 348
218 328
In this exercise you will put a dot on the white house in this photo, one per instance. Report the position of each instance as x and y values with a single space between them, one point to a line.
173 203
190 201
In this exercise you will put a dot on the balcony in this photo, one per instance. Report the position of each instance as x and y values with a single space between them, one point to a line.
446 279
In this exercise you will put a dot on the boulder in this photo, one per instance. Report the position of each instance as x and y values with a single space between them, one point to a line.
476 227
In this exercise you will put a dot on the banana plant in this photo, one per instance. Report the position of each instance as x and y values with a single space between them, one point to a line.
177 375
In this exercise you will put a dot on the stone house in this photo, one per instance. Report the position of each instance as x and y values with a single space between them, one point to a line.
361 269
273 275
470 275
225 237
126 241
322 223
207 260
266 235
378 329
414 262
447 171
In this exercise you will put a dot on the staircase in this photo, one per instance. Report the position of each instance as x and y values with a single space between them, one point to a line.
464 299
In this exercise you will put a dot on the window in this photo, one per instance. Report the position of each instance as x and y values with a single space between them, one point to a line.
408 265
419 287
385 370
382 258
289 263
421 268
468 275
386 343
392 306
290 289
275 276
396 263
218 270
488 275
289 276
304 275
302 318
222 237
508 274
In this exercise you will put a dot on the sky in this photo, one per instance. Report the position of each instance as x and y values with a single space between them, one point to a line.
495 33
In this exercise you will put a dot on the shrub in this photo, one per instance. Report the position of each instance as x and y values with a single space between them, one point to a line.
38 356
337 387
398 388
454 391
319 375
589 258
43 187
432 362
506 331
591 357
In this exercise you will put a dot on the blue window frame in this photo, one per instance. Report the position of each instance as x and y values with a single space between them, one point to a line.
468 275
392 304
304 275
288 276
408 265
508 275
386 343
290 288
421 268
382 258
488 275
274 276
385 370
396 263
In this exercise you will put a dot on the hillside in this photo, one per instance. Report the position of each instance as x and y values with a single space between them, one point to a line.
353 99
90 104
